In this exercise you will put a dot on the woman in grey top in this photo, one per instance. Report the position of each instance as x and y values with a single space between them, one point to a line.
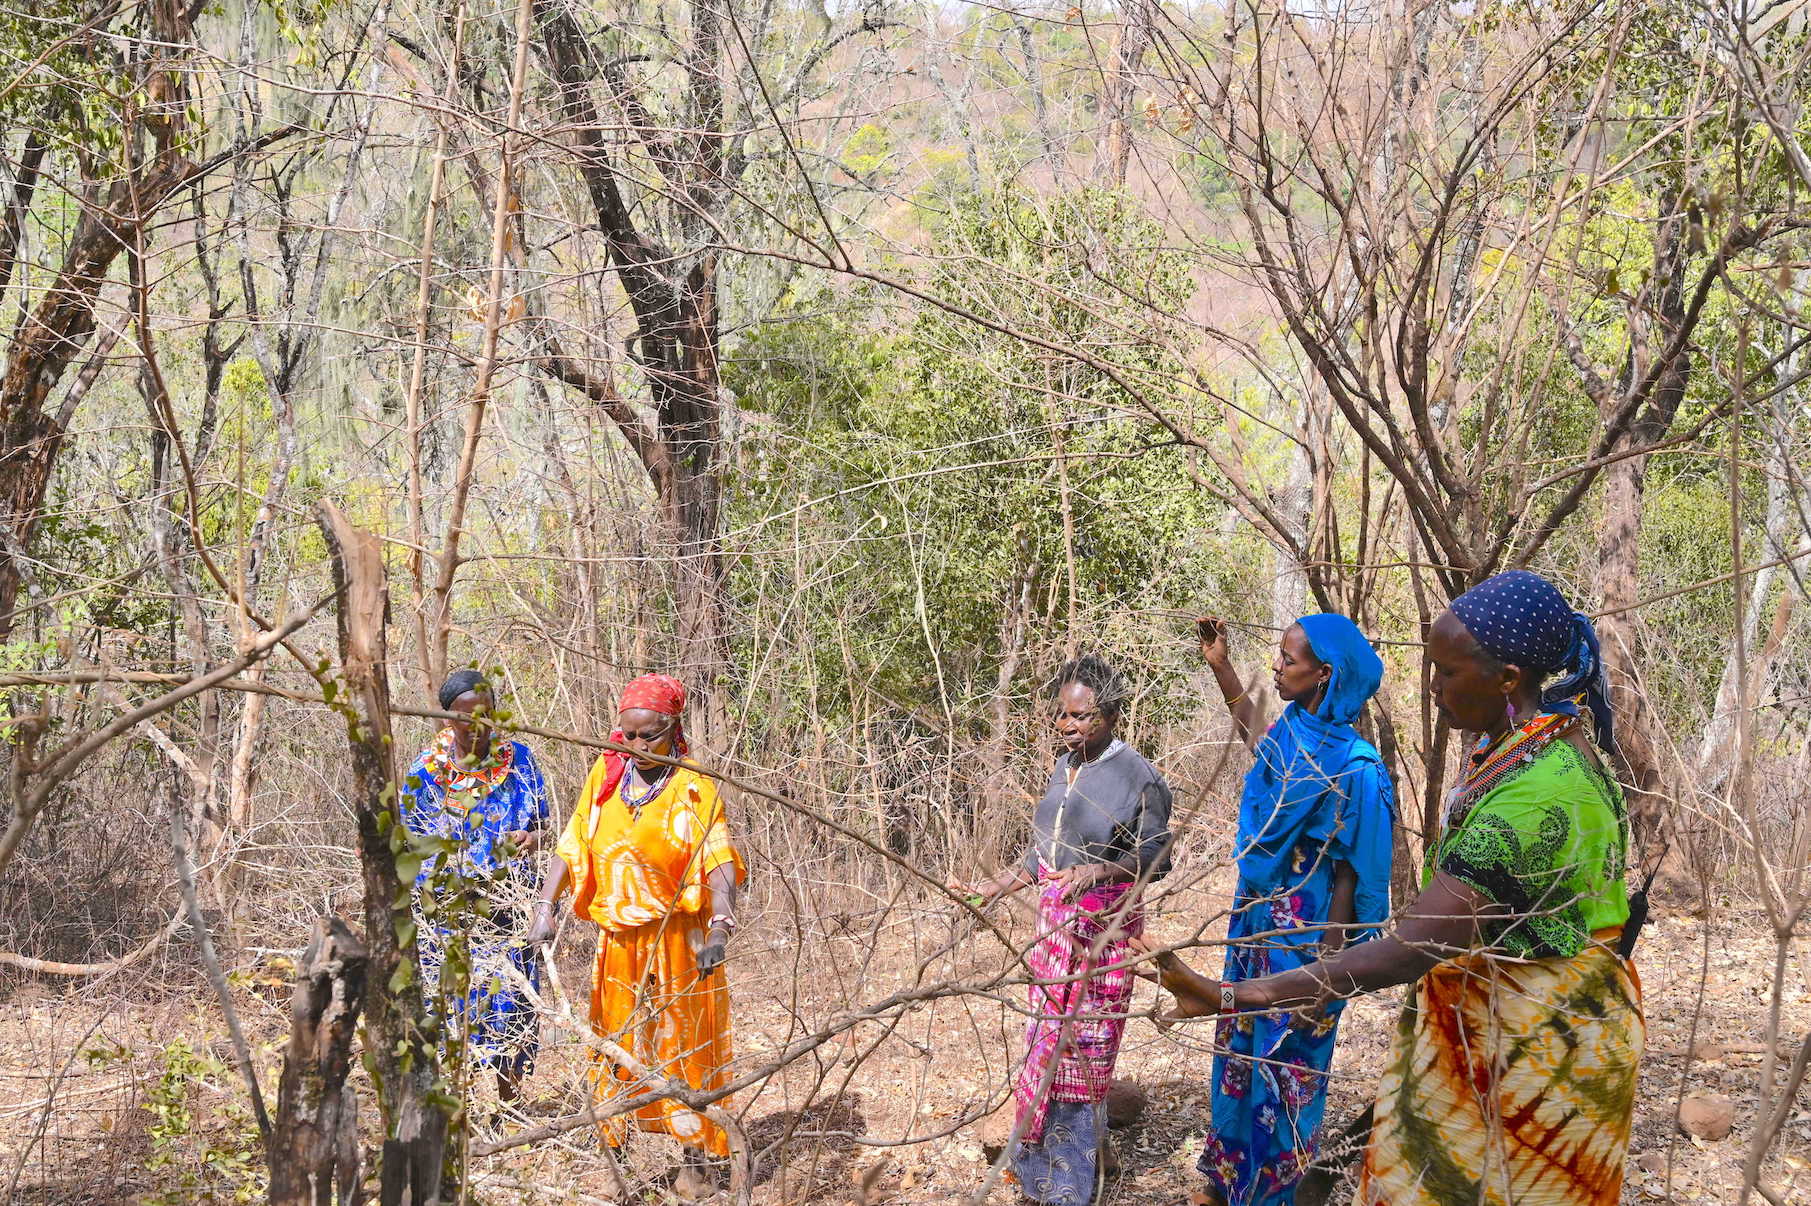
1101 832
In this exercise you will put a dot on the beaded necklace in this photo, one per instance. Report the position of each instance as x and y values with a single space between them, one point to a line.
464 781
1490 767
634 802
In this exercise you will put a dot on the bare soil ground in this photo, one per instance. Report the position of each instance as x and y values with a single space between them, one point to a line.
100 1104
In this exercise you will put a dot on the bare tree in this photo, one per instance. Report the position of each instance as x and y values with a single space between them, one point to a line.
1429 292
669 264
117 202
404 1056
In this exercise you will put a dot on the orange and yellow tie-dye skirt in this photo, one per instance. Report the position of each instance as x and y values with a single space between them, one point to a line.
1510 1083
647 996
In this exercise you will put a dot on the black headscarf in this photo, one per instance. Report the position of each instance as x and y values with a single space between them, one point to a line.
458 683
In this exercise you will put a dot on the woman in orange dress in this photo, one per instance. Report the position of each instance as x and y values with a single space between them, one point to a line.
649 858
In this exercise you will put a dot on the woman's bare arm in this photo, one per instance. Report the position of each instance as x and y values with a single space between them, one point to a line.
1445 920
553 885
1006 880
1233 693
724 891
1342 909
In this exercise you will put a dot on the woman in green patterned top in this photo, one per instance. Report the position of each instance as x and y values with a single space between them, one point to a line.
1546 843
1512 1077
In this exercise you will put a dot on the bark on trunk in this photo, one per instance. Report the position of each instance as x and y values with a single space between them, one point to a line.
1619 536
1619 580
403 1056
313 1151
1714 758
53 335
687 401
1128 58
676 318
24 187
31 439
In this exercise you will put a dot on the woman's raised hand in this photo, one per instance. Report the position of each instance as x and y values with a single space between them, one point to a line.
1212 633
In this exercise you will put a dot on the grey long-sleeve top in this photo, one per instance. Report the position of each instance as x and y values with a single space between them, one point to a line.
1117 811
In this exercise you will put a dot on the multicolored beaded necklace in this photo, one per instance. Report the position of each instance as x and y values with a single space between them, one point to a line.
635 803
467 783
1490 767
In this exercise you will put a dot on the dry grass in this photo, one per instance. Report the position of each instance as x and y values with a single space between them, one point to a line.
880 1106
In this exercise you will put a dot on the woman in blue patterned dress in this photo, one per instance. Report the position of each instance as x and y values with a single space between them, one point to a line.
1313 851
476 806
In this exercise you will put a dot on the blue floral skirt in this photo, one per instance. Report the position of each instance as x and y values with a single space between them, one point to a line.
496 1019
1270 1073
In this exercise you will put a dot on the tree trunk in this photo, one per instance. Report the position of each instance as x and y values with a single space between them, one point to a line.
1714 758
1619 537
1121 89
686 398
48 341
24 187
30 438
676 322
403 1056
1619 580
313 1151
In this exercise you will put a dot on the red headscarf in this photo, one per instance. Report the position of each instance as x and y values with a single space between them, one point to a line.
657 693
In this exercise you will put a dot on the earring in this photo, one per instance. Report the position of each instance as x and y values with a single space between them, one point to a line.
1509 707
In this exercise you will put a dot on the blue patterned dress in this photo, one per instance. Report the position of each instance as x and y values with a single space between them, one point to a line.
1316 796
458 815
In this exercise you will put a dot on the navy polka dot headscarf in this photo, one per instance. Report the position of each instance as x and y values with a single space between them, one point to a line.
1521 618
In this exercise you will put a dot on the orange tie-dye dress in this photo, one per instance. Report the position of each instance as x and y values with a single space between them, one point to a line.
642 878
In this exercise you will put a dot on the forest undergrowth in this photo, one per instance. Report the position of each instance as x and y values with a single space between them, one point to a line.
147 1109
859 365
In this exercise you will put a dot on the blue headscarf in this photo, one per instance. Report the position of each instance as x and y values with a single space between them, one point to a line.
1521 618
1315 779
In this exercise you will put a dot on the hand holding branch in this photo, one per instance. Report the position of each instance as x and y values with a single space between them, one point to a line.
1196 996
1213 636
1211 631
985 892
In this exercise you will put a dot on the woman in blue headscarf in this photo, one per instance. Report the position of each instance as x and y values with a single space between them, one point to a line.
1512 1077
1313 852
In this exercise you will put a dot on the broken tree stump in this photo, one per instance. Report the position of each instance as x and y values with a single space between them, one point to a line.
313 1149
403 1059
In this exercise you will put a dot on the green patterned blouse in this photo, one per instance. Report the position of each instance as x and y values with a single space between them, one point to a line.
1550 842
